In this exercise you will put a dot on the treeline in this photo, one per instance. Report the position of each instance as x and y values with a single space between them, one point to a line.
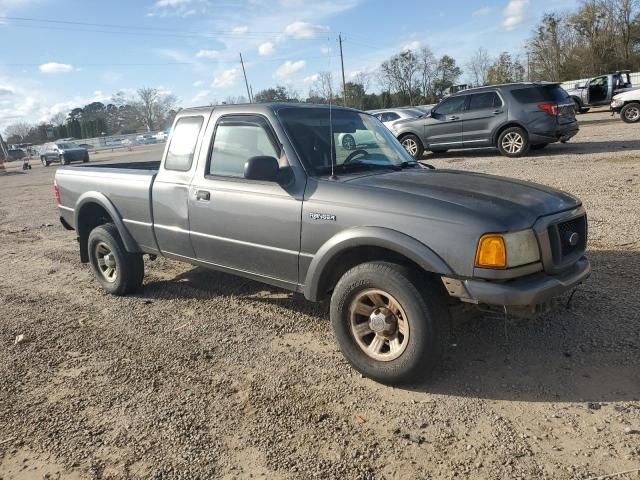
149 110
601 36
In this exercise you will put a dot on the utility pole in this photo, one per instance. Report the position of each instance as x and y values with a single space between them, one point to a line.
344 84
245 80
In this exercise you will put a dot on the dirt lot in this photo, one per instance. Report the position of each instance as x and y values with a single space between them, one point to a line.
203 375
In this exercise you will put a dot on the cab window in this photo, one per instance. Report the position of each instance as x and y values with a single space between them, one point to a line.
183 144
485 100
236 139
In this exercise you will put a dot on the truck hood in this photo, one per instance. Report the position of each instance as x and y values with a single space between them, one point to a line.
632 93
509 202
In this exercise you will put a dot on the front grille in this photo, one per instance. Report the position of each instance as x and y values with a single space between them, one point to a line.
568 240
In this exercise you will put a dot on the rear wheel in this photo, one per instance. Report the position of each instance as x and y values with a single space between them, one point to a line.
117 271
513 142
630 113
413 145
44 161
389 323
62 160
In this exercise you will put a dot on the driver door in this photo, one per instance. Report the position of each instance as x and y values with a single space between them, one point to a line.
443 129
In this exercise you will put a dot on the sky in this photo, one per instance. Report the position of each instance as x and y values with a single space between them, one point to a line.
56 55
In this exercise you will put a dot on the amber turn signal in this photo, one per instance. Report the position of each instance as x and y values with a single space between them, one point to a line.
492 252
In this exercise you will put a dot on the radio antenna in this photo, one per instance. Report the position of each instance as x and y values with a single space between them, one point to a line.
331 147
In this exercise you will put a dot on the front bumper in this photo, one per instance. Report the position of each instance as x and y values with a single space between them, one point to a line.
526 291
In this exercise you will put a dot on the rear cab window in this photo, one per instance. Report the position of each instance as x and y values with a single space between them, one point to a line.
183 144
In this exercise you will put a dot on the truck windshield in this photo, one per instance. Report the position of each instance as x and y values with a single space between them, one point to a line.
359 140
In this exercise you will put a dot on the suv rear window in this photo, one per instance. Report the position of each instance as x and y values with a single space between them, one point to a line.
537 94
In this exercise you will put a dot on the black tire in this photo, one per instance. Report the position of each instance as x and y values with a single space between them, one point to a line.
413 145
129 267
422 299
630 113
44 161
538 146
510 149
348 142
62 160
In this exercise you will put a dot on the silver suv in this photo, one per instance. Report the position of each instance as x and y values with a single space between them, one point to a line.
513 118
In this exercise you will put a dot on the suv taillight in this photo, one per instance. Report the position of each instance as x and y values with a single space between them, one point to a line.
56 190
550 108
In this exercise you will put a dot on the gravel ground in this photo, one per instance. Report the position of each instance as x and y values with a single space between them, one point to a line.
203 375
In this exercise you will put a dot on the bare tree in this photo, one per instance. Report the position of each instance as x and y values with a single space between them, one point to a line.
152 106
322 88
428 66
627 19
479 66
18 130
58 119
400 72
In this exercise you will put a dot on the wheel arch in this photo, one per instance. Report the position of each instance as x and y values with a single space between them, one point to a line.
502 128
93 209
363 244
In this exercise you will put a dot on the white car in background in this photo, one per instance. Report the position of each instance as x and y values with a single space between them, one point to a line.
627 104
387 116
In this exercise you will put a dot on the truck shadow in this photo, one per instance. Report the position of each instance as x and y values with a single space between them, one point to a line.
589 352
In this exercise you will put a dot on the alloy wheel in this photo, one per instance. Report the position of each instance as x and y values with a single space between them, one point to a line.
512 142
107 264
410 146
632 114
379 325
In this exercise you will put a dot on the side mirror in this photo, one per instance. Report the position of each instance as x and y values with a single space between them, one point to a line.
262 168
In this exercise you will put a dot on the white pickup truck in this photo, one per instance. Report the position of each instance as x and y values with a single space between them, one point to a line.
627 104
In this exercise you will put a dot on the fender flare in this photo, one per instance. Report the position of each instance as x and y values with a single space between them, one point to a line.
101 199
382 237
511 123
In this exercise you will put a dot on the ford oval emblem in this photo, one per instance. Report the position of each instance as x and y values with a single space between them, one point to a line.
574 238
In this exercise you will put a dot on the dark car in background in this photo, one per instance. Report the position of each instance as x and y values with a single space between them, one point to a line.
63 152
513 118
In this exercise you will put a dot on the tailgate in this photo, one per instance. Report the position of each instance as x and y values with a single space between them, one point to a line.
566 113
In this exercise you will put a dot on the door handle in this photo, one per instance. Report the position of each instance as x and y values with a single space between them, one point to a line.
203 195
497 112
454 117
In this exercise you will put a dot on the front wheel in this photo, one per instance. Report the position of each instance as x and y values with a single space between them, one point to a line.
413 145
630 113
44 161
62 160
389 322
117 271
513 142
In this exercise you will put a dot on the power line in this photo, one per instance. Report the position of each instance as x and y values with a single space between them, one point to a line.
137 27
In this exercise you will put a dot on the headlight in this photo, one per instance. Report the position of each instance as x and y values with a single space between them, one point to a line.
507 250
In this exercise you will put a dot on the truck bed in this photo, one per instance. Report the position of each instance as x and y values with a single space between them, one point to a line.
149 165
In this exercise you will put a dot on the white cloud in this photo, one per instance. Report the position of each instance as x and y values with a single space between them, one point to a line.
325 50
226 79
266 49
482 12
304 30
514 14
208 54
201 96
54 67
289 68
413 45
310 79
179 8
240 30
171 3
198 83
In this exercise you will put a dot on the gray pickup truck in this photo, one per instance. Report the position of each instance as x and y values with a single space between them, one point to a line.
598 91
267 192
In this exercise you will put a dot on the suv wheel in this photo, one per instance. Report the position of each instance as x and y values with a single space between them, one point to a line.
413 145
117 271
348 142
62 160
630 113
513 142
389 323
44 161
